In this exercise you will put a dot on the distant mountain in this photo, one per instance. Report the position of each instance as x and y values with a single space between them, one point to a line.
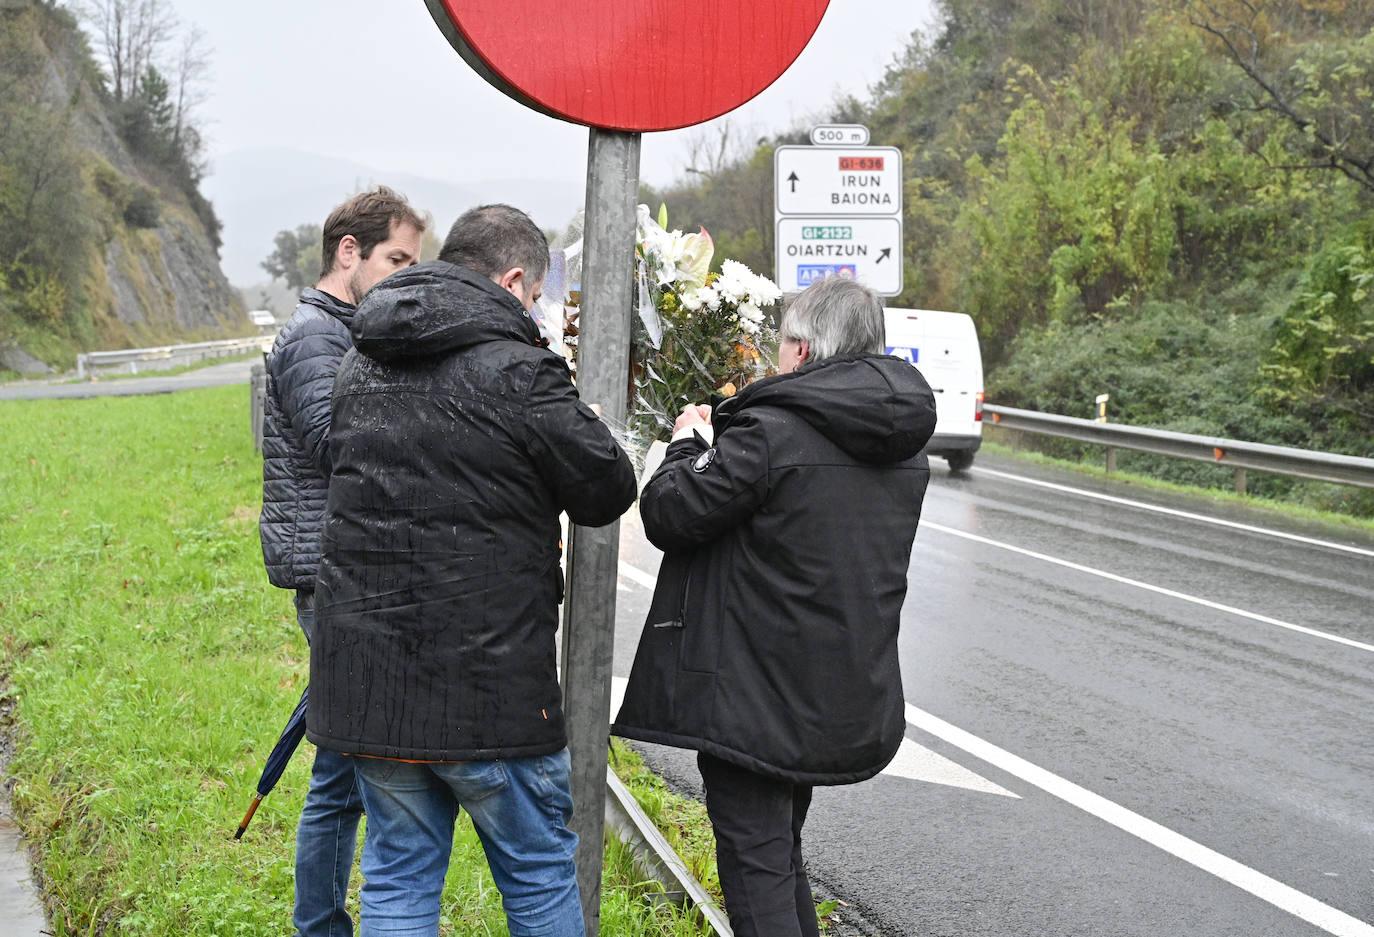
258 192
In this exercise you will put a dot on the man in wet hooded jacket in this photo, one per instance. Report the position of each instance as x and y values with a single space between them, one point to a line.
771 645
457 441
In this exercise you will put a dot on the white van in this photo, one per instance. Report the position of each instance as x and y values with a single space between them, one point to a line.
944 347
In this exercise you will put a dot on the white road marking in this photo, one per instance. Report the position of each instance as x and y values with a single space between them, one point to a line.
914 762
638 576
918 763
1173 512
1228 870
1160 590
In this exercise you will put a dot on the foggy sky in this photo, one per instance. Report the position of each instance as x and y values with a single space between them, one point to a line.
374 81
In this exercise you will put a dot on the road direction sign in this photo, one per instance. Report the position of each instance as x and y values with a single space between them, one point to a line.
865 249
834 180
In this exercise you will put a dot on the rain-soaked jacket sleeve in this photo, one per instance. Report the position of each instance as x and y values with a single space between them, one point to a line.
589 474
699 493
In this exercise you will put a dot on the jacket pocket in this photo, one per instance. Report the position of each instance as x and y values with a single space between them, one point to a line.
700 615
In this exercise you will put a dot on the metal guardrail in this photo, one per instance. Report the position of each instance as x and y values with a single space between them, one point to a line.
655 857
167 356
1229 453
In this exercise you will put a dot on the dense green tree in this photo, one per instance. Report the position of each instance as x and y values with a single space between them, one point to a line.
295 258
1167 200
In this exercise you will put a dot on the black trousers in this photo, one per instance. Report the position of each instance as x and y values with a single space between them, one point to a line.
758 824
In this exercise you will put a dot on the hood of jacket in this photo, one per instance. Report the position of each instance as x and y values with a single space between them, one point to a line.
336 307
877 408
437 307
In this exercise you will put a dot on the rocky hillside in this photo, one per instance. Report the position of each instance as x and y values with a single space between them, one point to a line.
103 243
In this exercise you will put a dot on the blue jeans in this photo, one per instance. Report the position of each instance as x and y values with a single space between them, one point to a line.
328 831
520 808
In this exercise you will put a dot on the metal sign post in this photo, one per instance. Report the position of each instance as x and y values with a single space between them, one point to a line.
594 553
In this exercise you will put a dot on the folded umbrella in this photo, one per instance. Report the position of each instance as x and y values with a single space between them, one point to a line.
276 762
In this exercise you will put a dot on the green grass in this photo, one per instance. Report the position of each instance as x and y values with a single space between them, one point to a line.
150 667
684 823
1281 509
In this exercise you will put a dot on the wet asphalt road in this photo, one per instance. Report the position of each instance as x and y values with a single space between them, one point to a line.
1244 737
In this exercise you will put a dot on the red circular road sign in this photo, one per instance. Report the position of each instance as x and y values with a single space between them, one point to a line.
634 65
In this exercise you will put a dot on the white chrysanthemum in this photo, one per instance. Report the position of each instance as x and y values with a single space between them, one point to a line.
710 298
748 312
691 301
764 291
734 270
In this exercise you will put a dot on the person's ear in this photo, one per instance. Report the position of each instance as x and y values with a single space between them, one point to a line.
513 280
347 254
803 352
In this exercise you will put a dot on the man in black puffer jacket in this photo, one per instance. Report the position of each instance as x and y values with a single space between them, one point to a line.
366 239
771 643
457 441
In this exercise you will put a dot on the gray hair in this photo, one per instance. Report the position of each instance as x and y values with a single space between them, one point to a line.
492 239
836 316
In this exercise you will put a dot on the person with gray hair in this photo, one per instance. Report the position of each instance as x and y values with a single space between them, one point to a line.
787 518
458 439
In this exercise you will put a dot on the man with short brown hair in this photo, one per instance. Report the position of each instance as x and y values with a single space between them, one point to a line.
366 239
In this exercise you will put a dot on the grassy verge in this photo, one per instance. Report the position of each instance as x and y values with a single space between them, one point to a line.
995 444
684 823
150 667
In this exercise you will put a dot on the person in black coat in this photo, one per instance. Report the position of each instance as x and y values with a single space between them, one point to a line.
787 524
364 240
457 441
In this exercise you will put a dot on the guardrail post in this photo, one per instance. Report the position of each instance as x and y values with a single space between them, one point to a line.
1111 459
1240 481
257 403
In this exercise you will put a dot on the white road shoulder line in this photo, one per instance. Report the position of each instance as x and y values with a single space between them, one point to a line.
1228 870
1160 590
913 762
1173 512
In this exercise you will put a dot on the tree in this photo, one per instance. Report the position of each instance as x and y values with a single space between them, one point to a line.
130 35
190 76
1321 93
296 257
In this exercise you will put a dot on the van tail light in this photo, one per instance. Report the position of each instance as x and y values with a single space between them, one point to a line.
978 408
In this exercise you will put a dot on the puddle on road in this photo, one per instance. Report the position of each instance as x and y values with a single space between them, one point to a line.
19 906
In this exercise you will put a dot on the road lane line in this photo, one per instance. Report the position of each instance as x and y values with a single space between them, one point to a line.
913 762
1173 512
1271 890
638 576
1160 590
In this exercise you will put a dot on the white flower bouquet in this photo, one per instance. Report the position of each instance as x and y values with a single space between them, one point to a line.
705 334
